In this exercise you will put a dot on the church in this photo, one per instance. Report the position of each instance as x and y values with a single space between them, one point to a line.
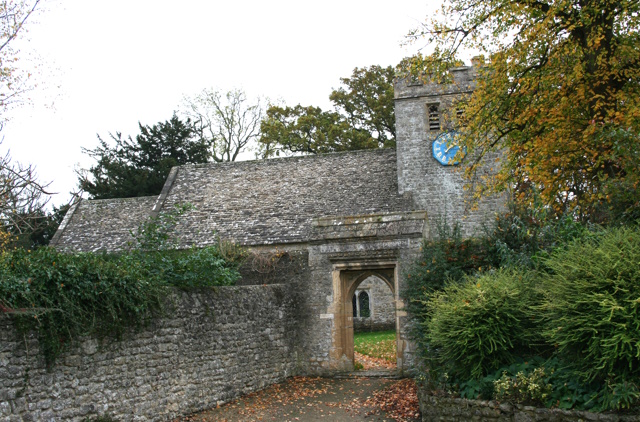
332 220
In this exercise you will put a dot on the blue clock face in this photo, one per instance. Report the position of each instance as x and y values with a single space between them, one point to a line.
445 148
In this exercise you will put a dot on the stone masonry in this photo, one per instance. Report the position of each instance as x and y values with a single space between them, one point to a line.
211 347
435 409
437 189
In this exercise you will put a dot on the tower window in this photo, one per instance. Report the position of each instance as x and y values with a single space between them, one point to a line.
434 118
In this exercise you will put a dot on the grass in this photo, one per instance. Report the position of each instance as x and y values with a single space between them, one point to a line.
377 344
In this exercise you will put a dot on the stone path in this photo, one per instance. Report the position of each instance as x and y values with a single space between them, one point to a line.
351 398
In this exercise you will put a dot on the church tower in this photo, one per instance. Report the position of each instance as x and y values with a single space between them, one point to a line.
428 167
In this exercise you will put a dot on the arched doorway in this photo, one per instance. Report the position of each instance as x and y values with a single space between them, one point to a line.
346 279
373 306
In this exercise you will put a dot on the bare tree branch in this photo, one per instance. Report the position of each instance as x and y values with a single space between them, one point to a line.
22 197
229 120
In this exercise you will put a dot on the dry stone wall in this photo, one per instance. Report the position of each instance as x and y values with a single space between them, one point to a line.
463 410
211 347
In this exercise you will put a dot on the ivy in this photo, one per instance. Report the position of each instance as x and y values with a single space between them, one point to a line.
65 296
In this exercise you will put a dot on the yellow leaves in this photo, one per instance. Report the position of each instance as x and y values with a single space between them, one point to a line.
551 94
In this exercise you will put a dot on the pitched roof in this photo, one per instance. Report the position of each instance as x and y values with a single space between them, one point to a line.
102 225
274 201
250 202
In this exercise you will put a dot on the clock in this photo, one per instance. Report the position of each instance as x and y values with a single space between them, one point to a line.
445 148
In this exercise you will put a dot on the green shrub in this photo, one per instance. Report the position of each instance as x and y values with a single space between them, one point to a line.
522 237
444 260
616 396
447 258
525 388
477 326
592 305
569 391
195 267
65 296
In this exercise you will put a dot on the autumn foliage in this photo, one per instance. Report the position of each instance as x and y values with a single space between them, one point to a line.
558 96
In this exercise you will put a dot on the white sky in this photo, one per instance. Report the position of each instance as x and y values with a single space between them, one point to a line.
105 65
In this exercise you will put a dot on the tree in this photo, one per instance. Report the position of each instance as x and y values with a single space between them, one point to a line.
368 102
13 17
22 201
228 121
140 168
363 118
558 97
309 130
23 198
40 230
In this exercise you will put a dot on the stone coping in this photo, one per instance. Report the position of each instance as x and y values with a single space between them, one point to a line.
461 410
369 218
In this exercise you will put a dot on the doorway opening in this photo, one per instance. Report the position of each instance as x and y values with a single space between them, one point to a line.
374 325
356 306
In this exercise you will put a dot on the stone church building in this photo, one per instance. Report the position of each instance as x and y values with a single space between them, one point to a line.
335 220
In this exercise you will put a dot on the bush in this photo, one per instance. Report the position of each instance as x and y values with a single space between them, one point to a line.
525 388
522 237
195 267
592 305
565 291
446 259
66 296
477 326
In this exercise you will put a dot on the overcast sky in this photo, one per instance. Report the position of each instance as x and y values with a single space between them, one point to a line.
104 66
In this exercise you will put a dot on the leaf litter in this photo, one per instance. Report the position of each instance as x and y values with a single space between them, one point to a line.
314 399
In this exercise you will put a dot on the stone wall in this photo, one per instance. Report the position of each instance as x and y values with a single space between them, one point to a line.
211 347
462 410
280 265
